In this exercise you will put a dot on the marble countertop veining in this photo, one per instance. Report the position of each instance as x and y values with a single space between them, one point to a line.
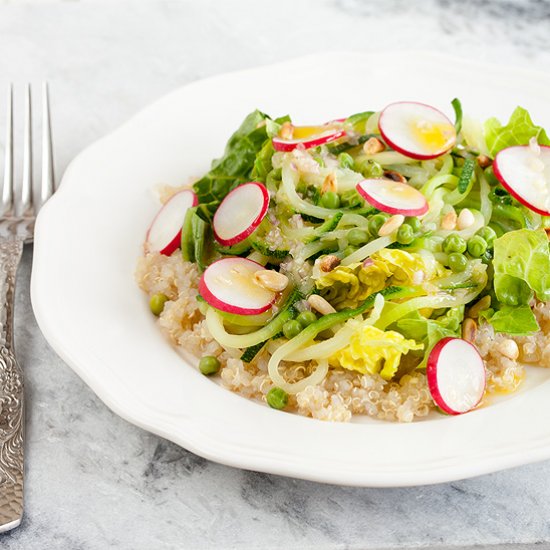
93 480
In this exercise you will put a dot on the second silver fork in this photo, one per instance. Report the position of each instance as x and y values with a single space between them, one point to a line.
18 215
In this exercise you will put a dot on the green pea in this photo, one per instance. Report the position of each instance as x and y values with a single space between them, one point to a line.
306 318
357 237
277 398
477 246
405 234
291 329
156 303
345 160
330 199
457 262
369 168
209 365
376 222
414 223
454 243
489 234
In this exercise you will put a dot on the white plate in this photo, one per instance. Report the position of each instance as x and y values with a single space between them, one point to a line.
87 304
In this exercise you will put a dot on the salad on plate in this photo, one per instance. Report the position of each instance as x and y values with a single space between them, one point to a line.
388 264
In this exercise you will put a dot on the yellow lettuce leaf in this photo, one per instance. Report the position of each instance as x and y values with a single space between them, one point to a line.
349 286
374 351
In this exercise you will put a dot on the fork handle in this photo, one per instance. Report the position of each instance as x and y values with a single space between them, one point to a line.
11 394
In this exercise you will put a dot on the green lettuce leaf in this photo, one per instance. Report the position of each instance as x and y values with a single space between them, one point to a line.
513 320
522 265
519 130
430 331
237 162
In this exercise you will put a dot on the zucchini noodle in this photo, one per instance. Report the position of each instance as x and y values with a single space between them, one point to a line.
437 181
215 324
340 339
316 377
371 126
389 157
291 351
353 219
436 204
311 249
434 302
257 257
288 186
486 204
368 250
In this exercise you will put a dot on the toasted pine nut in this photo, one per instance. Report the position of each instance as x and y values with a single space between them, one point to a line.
448 221
330 183
509 348
287 130
372 146
395 176
329 262
484 161
465 219
391 225
469 330
318 303
484 303
271 280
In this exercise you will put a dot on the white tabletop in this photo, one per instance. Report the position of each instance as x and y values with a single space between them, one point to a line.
93 480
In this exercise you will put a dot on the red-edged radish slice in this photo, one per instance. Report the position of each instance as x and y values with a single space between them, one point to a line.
416 130
456 375
240 213
164 233
393 197
228 285
524 170
310 136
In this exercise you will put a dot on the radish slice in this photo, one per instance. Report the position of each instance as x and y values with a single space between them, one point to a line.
524 170
164 233
456 375
416 130
393 197
310 136
228 285
240 213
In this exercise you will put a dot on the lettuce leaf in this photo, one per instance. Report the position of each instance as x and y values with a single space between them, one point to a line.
519 130
430 331
262 164
522 265
518 321
237 162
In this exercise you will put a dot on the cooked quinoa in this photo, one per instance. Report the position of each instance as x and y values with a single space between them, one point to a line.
343 393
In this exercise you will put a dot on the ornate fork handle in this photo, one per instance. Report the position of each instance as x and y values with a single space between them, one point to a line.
11 392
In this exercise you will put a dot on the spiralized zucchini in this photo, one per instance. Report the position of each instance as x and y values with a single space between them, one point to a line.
319 353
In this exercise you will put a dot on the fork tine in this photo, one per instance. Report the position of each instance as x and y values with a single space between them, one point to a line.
26 186
7 188
48 177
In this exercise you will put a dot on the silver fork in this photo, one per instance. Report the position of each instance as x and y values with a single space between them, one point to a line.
17 217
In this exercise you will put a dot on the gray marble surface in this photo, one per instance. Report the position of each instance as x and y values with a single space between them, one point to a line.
96 482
